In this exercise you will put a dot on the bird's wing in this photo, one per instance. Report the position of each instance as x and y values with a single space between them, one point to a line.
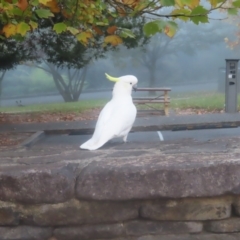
103 119
114 119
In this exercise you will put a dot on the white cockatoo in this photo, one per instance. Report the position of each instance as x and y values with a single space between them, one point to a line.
117 116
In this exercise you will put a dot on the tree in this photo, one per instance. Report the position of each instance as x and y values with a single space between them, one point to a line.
69 85
156 56
1 80
11 54
62 53
85 19
63 50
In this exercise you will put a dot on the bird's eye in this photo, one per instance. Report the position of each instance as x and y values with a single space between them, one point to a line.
130 83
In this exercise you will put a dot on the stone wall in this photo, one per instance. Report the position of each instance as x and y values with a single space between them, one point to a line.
215 218
173 191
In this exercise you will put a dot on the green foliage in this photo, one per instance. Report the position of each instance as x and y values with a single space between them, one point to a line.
232 11
182 14
60 27
23 28
199 15
167 3
236 3
159 26
61 45
12 53
44 13
126 33
151 28
86 19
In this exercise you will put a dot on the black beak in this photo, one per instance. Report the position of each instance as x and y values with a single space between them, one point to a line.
135 88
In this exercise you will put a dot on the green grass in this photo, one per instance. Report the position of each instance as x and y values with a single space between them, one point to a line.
57 107
207 101
200 101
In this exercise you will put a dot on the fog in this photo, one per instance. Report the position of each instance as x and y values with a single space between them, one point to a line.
189 62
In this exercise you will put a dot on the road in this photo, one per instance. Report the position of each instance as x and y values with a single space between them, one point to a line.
106 95
163 136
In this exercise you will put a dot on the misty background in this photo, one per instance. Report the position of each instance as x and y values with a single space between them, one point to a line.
192 61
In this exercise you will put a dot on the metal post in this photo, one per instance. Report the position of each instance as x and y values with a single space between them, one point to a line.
231 89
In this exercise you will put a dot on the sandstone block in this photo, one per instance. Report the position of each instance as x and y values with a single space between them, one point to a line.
127 231
224 226
235 236
162 176
204 236
139 228
192 237
24 233
76 212
236 205
37 184
8 214
90 232
187 209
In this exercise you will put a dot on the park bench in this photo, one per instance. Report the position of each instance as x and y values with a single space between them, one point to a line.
161 97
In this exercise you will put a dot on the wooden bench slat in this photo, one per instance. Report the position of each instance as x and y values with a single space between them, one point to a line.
153 89
150 101
160 98
150 98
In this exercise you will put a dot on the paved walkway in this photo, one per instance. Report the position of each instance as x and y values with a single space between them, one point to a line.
148 123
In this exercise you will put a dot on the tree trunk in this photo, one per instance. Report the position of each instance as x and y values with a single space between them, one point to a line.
78 91
71 88
62 87
70 92
1 80
152 79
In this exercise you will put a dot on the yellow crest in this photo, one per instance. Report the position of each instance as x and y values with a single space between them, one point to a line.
113 79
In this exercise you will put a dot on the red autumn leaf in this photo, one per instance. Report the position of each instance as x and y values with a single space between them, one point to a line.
22 4
98 30
111 30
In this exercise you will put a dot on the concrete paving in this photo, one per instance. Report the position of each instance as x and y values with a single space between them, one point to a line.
149 129
143 137
148 123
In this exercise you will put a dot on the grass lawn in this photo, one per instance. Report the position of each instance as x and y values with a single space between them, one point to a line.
57 107
207 101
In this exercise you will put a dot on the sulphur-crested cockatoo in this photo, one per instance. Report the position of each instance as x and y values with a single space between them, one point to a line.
117 116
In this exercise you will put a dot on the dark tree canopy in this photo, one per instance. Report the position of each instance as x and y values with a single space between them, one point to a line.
63 50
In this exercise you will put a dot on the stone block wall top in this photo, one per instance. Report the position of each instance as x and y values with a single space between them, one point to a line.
159 177
124 172
25 232
41 184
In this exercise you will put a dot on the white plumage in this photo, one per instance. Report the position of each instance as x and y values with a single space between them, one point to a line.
117 116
